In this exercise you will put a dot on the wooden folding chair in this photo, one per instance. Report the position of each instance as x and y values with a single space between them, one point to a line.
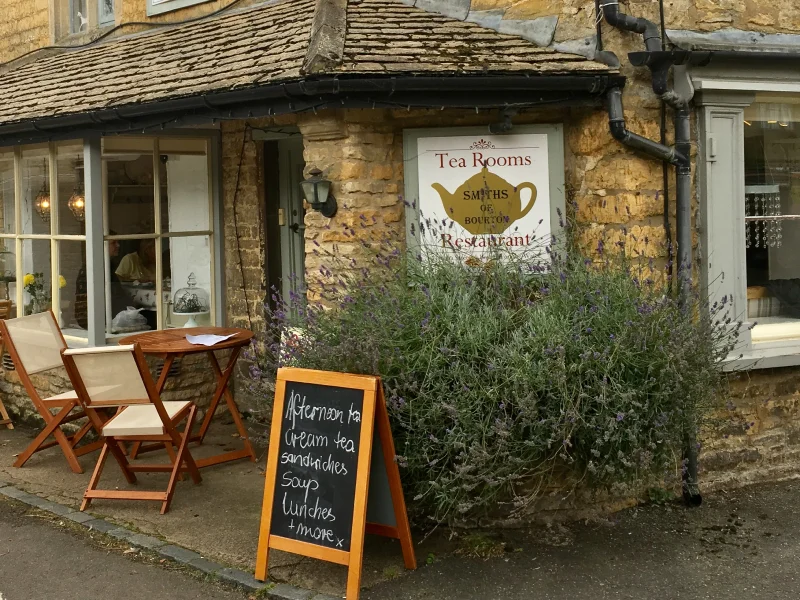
118 377
5 312
34 344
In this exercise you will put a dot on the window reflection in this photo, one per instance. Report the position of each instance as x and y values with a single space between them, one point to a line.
772 210
156 242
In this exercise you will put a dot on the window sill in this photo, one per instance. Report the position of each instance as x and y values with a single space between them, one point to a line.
169 6
764 355
770 330
84 37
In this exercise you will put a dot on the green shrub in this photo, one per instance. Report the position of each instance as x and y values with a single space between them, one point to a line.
503 375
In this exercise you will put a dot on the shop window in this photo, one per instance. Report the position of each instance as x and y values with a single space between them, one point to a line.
772 218
749 219
8 263
159 233
42 240
157 7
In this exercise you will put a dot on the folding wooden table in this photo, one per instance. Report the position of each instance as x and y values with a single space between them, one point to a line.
171 344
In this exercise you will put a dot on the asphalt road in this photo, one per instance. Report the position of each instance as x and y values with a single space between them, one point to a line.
43 560
737 546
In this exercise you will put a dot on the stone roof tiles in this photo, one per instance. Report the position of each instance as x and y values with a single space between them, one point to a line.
266 43
387 36
262 45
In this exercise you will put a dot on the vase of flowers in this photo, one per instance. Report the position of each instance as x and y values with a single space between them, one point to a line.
34 286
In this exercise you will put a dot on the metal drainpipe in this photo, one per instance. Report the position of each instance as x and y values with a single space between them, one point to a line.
678 156
616 123
683 195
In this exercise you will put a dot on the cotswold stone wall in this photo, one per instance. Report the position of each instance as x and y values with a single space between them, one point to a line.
757 437
565 21
361 151
24 26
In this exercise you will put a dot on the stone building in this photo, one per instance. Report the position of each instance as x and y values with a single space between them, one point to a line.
195 129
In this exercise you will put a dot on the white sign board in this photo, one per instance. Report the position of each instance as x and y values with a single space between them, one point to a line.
478 193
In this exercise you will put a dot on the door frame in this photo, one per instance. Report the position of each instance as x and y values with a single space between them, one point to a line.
279 152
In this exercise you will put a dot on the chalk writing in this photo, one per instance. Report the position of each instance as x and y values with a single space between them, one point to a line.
318 455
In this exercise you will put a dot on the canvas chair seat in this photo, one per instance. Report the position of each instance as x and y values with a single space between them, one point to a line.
118 378
142 419
70 395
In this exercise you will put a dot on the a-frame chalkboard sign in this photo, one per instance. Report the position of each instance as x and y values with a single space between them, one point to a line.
324 482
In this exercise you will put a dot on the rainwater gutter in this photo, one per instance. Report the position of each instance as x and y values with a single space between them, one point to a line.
679 156
312 94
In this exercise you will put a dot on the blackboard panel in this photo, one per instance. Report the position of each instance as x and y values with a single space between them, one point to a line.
380 506
315 483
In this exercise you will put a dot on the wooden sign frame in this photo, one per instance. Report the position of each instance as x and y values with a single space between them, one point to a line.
374 419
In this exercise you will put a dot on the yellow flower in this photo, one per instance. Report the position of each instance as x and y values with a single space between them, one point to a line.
29 279
62 283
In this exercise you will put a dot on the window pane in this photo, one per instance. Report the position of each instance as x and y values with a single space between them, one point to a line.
131 276
36 190
187 273
78 16
8 270
71 197
72 267
131 208
772 210
106 14
185 198
37 279
7 192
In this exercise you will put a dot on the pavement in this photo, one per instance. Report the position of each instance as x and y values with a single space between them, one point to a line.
41 559
218 519
740 544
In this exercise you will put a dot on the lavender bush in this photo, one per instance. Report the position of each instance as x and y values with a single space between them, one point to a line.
503 375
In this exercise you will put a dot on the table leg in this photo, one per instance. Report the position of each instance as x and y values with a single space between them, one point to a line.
223 377
162 379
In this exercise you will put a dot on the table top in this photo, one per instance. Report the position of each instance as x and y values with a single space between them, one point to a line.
173 341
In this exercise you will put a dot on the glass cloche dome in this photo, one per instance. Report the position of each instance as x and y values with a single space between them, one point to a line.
191 300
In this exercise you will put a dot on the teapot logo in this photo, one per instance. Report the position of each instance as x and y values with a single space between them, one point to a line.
486 203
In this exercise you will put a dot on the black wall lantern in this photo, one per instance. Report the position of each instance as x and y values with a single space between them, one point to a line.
317 192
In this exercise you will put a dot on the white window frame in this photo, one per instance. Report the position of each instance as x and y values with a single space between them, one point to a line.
106 19
72 16
96 229
53 237
159 234
721 96
159 7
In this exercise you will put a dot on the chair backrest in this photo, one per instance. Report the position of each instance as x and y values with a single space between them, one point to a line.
110 376
5 309
36 340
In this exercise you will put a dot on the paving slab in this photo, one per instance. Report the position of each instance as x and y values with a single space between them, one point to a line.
739 544
218 519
